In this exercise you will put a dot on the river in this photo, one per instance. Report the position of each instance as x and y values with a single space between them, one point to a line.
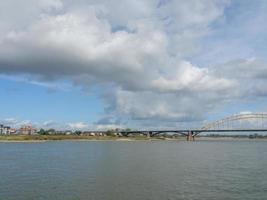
137 170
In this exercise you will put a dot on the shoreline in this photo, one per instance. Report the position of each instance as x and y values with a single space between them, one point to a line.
44 138
83 140
47 139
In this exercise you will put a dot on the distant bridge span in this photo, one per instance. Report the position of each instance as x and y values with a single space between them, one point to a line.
246 122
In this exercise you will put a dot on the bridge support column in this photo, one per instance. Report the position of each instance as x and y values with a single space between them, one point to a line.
149 134
190 136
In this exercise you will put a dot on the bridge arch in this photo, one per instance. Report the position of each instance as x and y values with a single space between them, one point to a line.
239 121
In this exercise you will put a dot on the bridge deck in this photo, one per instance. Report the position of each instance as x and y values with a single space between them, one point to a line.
196 130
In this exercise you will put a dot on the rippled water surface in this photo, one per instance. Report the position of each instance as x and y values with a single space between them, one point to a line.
159 170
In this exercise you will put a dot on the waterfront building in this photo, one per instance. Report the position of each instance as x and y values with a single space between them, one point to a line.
88 133
4 130
27 130
91 133
60 132
13 131
101 134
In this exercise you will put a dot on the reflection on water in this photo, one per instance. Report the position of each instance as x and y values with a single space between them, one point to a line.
158 170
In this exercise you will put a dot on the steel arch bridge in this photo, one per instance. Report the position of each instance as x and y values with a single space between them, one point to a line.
239 121
245 122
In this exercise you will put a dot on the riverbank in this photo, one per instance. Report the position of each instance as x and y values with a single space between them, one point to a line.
43 138
25 138
230 139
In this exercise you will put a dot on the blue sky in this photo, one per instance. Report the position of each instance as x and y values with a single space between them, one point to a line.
23 100
106 64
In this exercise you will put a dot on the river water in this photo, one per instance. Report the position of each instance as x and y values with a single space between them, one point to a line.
143 170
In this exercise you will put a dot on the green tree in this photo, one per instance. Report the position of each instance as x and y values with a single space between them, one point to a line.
42 132
110 132
78 132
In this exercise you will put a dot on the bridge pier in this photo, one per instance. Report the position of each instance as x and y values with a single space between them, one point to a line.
149 134
190 136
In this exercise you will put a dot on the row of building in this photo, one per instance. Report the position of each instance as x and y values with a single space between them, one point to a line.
24 130
29 130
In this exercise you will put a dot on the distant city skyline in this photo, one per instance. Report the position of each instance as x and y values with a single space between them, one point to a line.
157 63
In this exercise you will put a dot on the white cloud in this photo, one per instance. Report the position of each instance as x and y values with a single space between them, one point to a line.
15 122
192 78
49 124
245 112
104 127
78 125
50 4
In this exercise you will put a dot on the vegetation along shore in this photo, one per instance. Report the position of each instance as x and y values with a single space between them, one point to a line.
121 138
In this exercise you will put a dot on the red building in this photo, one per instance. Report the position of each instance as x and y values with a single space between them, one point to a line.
27 130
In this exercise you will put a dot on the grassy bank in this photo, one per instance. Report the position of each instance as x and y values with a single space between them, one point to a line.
115 138
65 137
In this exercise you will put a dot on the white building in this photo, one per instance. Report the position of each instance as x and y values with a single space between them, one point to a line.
4 130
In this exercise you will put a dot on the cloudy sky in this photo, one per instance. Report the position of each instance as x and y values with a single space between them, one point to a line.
110 63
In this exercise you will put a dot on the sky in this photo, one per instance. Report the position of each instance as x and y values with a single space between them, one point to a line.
101 64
